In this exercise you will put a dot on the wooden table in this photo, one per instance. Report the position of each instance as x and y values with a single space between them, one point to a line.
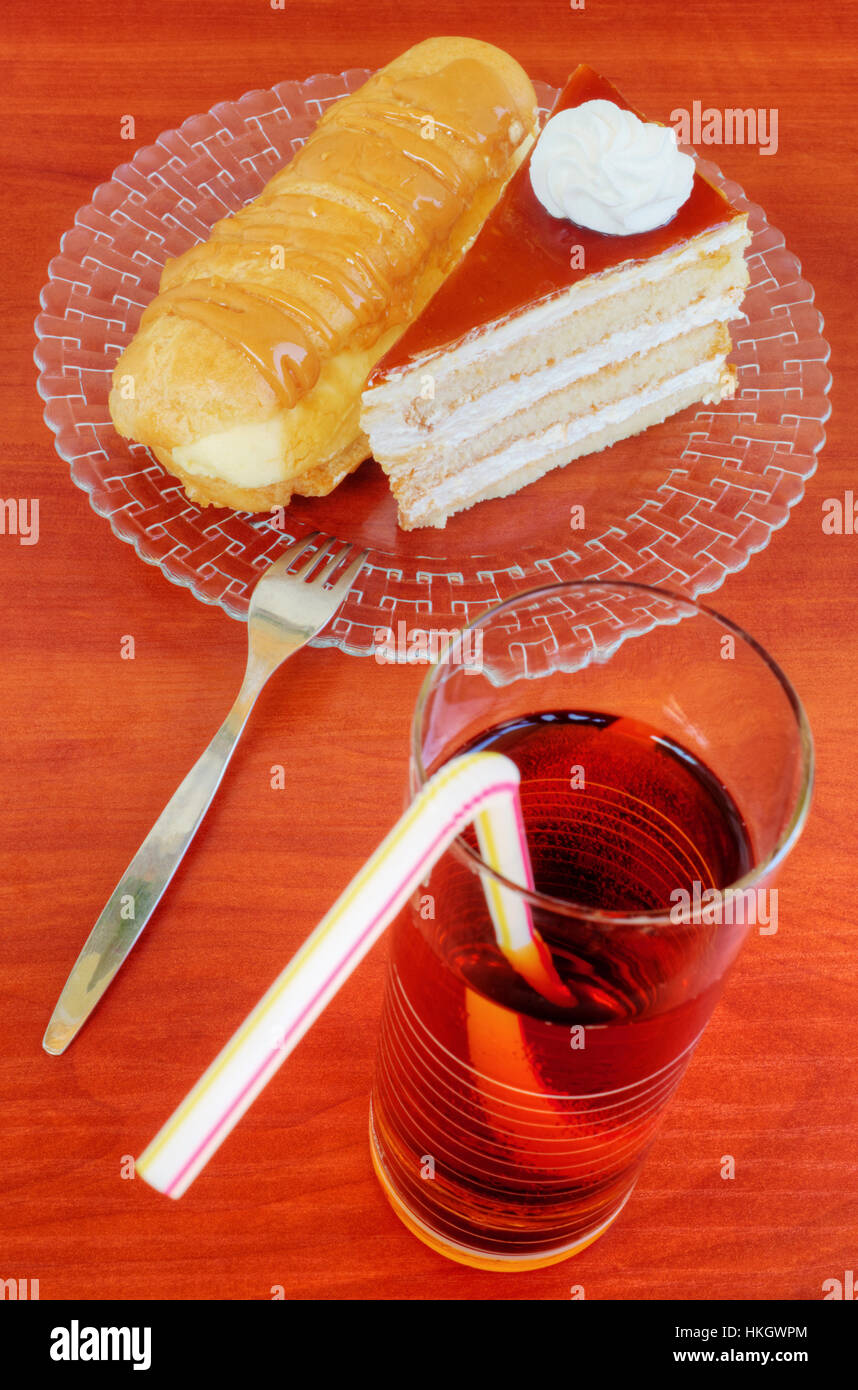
94 745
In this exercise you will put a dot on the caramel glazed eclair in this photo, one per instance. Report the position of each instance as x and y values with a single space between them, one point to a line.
245 375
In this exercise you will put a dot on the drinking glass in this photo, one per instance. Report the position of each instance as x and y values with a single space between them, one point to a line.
666 770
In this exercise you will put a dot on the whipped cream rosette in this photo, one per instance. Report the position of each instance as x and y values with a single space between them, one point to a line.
603 167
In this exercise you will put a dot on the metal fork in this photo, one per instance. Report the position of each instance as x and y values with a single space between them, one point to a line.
286 610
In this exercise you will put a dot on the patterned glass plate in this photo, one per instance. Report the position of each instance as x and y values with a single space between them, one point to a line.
682 505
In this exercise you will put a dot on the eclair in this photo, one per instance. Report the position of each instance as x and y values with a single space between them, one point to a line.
246 372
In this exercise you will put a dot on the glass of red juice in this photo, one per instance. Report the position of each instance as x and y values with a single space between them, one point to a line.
666 770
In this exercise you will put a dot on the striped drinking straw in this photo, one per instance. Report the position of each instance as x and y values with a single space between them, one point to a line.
479 787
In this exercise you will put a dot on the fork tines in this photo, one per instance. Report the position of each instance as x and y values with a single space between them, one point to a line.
331 551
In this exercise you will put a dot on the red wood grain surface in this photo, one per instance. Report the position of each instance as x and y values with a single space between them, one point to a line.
93 745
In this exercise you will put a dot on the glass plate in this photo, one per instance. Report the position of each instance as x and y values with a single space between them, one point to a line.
682 505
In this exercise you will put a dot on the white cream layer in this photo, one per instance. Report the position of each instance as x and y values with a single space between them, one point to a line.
455 425
447 492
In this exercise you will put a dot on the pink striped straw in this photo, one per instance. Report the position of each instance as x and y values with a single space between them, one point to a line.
479 787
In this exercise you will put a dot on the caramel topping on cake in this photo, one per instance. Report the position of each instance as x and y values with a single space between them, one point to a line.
407 155
524 255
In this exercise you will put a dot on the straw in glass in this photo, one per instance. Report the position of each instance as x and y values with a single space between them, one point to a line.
477 787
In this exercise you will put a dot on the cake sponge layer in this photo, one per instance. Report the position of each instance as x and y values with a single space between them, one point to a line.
533 456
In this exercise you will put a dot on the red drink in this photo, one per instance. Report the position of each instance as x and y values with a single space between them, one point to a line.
506 1127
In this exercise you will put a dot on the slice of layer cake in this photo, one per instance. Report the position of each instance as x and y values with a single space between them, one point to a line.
554 339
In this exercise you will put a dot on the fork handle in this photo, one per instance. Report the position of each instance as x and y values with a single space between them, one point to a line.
141 887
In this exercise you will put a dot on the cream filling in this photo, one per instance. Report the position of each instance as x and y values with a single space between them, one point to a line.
246 455
283 447
495 337
455 425
453 489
